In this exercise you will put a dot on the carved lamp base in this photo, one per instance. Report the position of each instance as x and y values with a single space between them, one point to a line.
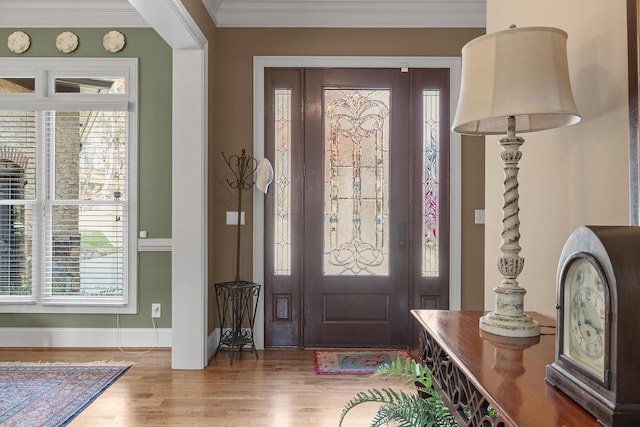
521 326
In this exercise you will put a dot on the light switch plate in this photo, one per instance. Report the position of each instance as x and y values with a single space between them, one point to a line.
232 218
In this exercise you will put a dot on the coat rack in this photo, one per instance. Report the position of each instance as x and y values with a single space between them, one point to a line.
243 168
238 300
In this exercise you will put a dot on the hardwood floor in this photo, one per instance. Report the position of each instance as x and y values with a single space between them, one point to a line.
279 389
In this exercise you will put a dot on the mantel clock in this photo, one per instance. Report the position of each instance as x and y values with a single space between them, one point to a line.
598 316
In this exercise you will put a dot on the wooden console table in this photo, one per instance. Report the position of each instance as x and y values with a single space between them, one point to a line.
475 370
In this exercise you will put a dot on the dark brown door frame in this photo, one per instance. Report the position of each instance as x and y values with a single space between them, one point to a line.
451 69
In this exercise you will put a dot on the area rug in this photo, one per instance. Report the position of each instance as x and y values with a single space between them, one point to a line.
40 394
354 362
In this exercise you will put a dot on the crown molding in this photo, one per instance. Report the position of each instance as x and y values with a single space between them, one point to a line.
255 13
348 13
69 13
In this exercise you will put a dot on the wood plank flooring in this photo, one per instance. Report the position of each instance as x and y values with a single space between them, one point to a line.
279 389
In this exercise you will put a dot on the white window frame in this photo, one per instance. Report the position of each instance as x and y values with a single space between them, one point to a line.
44 98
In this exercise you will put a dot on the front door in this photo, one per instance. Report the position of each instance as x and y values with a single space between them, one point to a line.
356 207
371 225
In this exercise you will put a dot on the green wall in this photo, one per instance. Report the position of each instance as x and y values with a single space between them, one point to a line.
154 160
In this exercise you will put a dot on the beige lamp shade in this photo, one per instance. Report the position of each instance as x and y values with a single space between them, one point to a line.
520 72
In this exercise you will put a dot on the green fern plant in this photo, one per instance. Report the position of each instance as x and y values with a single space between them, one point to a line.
422 409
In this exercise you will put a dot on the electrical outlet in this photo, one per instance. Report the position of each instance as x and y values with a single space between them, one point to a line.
155 310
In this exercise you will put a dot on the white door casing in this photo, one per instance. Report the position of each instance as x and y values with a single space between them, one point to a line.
262 62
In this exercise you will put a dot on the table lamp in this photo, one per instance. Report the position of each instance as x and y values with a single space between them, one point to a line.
514 81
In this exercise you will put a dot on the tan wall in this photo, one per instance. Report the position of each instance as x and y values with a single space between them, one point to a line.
200 15
472 234
231 53
570 176
232 125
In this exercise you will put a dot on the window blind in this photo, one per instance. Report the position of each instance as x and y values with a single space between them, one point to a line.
17 198
85 214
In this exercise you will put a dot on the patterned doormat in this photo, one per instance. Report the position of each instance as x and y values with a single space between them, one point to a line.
39 394
354 362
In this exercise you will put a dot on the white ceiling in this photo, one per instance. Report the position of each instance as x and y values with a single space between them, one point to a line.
254 13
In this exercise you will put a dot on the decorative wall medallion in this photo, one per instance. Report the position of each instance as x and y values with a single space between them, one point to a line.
113 41
18 42
66 42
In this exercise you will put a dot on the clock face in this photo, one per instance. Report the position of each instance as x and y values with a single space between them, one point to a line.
584 314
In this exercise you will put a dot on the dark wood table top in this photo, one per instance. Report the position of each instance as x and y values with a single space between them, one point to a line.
509 372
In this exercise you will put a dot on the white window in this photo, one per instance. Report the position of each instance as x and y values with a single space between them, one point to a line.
67 185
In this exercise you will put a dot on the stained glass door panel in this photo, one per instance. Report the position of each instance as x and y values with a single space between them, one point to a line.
356 182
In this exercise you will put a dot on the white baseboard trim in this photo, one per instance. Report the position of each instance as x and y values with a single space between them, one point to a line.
85 337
